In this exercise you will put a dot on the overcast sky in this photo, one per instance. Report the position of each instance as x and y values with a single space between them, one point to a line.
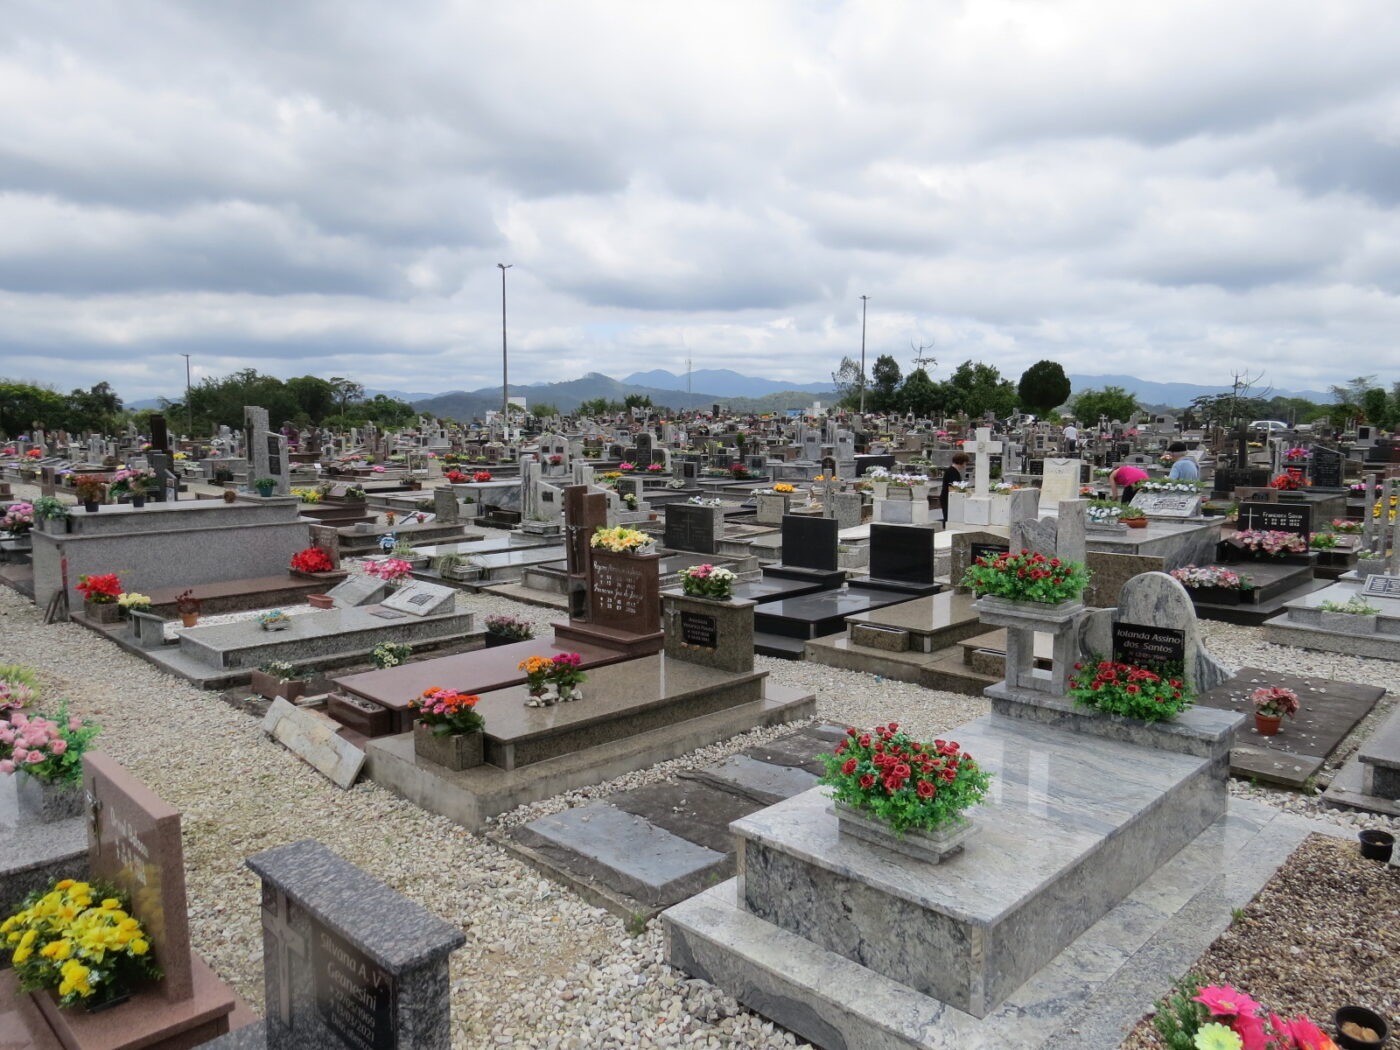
1173 190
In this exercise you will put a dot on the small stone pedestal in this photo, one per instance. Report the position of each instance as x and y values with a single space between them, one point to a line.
708 632
1023 620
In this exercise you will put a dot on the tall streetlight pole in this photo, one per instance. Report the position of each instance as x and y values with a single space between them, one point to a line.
189 408
863 300
505 374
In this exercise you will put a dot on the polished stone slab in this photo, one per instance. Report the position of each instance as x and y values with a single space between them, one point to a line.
479 671
640 859
1054 852
763 782
619 699
315 739
1087 998
329 632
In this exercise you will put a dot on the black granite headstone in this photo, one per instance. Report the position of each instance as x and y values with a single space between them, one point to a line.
986 550
1277 517
809 542
354 996
901 552
1227 478
160 435
690 528
1037 468
1326 467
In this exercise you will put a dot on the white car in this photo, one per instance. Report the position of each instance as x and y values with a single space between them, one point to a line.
1269 426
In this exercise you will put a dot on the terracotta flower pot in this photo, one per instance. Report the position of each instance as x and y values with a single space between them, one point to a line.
1136 523
1267 725
189 619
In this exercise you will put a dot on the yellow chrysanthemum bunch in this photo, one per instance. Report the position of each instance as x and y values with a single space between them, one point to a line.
85 951
619 540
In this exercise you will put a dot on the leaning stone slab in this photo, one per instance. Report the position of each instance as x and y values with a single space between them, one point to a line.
313 738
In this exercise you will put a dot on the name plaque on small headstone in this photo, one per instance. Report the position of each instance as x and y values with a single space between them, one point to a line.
1168 504
274 454
354 996
699 630
1382 587
622 592
1277 517
1148 646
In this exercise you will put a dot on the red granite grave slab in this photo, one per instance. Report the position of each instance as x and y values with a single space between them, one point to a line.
479 671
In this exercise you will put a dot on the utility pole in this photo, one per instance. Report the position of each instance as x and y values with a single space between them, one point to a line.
189 408
863 300
505 368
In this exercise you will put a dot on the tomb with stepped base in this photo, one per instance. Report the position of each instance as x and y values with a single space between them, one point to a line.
1102 838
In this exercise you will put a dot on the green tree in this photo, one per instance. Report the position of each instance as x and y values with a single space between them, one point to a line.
24 404
346 391
598 406
219 402
314 396
979 389
544 409
848 381
1043 387
1348 399
921 395
1376 406
631 401
1112 402
884 377
383 410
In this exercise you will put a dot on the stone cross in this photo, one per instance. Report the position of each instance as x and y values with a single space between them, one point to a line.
982 450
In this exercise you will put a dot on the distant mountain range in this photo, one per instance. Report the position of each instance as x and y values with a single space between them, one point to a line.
741 393
1177 395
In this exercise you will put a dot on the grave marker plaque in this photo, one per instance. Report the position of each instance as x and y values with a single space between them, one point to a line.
1386 587
626 592
1277 517
699 630
1147 645
1168 504
986 550
355 996
421 599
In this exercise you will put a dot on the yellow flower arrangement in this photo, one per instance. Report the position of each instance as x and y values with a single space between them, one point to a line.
619 540
1376 510
307 495
85 951
783 487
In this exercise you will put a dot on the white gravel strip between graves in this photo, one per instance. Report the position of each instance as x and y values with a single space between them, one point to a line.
540 968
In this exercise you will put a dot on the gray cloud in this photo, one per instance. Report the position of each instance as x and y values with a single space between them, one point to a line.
327 187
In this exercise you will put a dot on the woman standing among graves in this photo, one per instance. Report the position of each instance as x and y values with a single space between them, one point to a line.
950 476
1125 480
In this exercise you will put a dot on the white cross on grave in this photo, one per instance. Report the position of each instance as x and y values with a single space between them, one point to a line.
981 451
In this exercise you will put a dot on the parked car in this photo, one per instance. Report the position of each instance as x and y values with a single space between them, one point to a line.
1269 426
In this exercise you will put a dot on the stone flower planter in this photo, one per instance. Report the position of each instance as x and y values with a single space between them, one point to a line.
1348 623
932 847
43 802
102 612
270 687
457 751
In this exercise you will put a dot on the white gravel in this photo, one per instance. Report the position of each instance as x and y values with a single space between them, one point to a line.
540 968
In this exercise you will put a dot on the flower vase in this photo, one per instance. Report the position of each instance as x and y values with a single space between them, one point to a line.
138 502
454 750
42 802
569 693
1267 725
189 619
932 846
91 506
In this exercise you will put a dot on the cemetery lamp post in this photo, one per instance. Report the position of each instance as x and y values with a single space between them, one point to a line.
505 381
863 300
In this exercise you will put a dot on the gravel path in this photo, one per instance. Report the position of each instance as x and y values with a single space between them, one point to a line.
540 968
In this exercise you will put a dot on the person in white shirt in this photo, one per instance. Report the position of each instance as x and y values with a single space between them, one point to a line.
1071 433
